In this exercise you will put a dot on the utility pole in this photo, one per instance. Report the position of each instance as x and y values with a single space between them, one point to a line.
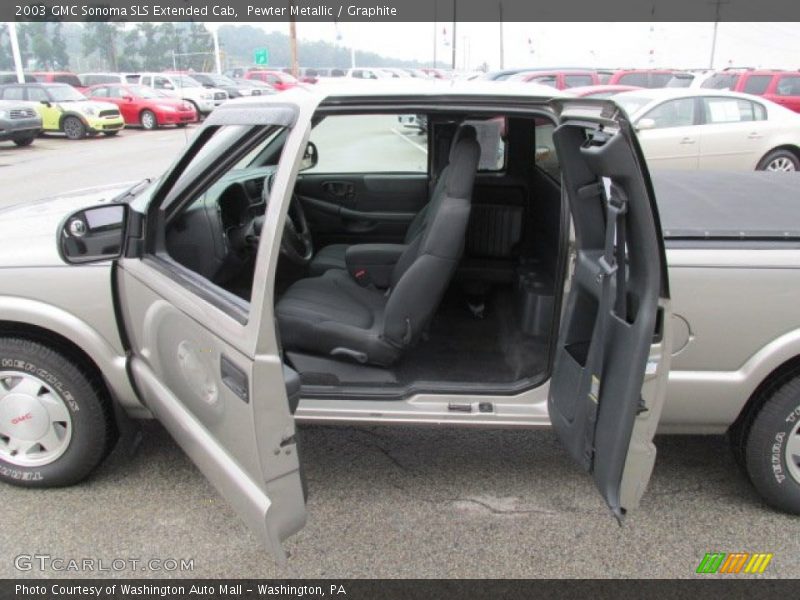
454 35
718 4
435 29
502 48
217 60
293 45
12 36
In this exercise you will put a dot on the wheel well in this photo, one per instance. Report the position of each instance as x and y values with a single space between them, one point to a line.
788 147
777 378
61 344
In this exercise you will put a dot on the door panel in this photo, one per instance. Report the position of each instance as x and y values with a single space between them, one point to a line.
671 147
611 360
732 146
361 208
185 370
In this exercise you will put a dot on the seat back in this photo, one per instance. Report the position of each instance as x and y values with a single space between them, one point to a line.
425 269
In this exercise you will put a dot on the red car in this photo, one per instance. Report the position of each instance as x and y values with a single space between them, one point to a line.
279 80
141 105
602 91
59 77
646 78
782 87
559 79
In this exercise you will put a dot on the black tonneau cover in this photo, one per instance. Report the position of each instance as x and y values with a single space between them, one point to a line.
717 205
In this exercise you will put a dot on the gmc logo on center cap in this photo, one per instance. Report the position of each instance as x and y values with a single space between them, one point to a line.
20 419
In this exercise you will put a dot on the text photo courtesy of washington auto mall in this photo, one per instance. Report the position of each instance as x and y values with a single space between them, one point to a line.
441 298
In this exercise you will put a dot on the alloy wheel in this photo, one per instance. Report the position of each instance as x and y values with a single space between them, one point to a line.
781 163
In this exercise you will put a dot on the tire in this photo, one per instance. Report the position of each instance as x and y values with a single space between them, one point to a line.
148 120
25 141
111 133
73 128
772 448
55 403
779 160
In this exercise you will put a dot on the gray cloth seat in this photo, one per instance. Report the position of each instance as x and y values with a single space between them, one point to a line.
333 255
333 315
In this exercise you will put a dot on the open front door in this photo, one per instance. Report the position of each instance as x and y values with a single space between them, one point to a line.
613 351
204 360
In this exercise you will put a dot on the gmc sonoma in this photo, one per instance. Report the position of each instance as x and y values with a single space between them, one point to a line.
511 274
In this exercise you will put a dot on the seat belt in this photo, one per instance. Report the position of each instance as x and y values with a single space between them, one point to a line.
611 262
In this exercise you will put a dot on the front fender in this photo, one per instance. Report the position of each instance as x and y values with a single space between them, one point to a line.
109 360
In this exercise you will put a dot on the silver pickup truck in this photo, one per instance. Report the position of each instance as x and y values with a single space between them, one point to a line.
306 260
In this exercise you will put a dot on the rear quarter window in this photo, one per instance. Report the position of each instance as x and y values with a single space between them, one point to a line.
757 84
637 79
577 80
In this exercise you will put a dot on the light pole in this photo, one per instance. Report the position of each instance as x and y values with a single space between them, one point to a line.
12 36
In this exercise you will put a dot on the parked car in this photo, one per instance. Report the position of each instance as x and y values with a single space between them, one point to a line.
254 87
90 79
369 74
58 77
64 109
19 123
141 105
646 78
601 91
504 74
781 87
559 79
186 88
713 129
277 79
11 77
213 80
203 313
725 79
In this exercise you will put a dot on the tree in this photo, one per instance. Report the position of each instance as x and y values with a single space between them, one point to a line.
60 57
101 38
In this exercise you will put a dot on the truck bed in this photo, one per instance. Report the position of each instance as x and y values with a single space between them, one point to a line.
728 206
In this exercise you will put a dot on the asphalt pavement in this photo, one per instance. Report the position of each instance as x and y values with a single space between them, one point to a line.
384 502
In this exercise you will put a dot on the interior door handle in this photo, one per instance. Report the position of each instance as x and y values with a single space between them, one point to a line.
339 189
687 140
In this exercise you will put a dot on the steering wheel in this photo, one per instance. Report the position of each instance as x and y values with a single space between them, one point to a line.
296 242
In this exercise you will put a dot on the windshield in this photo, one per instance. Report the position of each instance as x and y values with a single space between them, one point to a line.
183 81
631 104
142 91
221 80
64 93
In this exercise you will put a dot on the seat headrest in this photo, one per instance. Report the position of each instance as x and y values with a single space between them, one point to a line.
464 132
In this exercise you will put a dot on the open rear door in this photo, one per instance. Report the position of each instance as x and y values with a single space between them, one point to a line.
612 357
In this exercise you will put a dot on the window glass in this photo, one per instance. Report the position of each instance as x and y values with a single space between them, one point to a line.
732 110
548 80
368 144
680 81
577 80
491 138
757 84
68 79
638 79
659 80
720 81
545 157
99 92
14 93
604 76
788 85
675 113
37 95
115 92
162 83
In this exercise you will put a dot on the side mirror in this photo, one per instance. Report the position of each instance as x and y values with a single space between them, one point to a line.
169 86
310 157
128 98
45 102
94 234
644 124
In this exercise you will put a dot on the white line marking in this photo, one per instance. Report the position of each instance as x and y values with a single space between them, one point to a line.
422 149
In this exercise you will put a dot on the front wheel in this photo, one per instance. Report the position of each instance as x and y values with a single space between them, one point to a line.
55 427
148 120
772 448
779 160
25 141
74 128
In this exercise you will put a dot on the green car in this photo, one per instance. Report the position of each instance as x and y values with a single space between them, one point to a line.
65 109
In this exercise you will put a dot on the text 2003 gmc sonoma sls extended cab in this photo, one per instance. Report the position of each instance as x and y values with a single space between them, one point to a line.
295 264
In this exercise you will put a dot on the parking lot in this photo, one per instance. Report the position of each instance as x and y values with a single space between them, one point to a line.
399 502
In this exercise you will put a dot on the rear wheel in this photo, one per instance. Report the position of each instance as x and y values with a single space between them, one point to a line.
25 141
148 120
74 128
772 448
779 160
55 426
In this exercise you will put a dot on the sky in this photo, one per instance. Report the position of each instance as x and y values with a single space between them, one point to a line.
680 45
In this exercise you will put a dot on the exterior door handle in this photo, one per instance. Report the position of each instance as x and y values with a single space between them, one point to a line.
234 378
687 140
754 136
